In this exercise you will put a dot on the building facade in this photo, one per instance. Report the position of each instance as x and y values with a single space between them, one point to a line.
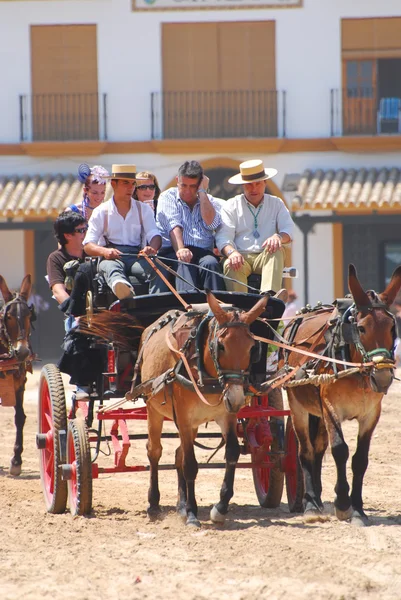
313 88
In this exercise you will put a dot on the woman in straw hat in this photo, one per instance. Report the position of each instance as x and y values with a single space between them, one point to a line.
255 228
119 227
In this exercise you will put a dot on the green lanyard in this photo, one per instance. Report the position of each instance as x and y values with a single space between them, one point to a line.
255 232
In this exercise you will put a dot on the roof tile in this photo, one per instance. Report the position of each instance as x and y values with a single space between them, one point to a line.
349 188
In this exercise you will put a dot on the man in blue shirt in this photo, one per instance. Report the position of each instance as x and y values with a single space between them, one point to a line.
187 217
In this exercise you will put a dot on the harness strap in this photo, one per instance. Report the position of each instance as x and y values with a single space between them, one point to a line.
188 369
166 281
313 354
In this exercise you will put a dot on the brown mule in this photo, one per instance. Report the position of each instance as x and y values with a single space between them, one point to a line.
225 347
15 356
367 334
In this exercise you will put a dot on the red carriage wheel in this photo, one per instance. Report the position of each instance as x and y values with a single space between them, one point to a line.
268 480
52 419
294 481
80 465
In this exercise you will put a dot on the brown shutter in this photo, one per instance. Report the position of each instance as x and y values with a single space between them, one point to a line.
212 73
64 82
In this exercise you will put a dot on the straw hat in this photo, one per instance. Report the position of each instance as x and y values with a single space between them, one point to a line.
252 170
123 172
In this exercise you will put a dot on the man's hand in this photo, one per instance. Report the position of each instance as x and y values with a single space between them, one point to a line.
235 260
111 253
272 244
204 184
149 251
184 254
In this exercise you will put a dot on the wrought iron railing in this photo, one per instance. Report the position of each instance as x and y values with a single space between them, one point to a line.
63 117
218 114
358 111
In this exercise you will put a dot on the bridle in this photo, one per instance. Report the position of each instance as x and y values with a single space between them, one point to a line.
229 376
384 357
22 309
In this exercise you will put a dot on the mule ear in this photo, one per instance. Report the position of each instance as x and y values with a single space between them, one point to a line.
26 287
358 293
255 311
219 313
7 295
391 291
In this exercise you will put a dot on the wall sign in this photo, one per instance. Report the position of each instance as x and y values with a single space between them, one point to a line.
157 5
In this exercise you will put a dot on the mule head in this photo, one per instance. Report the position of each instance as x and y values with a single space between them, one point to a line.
376 327
228 352
16 316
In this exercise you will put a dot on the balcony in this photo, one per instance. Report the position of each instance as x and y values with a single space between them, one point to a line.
360 111
218 114
63 117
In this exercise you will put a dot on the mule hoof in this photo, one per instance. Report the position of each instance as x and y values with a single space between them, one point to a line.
343 515
314 515
182 512
192 521
216 516
154 513
359 520
15 470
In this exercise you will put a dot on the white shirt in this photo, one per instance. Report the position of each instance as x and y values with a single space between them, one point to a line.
239 223
106 220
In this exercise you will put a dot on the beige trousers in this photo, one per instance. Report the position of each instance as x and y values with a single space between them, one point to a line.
270 266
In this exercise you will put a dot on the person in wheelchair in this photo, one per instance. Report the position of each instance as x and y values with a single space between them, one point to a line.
255 228
118 230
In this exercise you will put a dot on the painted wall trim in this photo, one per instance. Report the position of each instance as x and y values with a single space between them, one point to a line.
369 144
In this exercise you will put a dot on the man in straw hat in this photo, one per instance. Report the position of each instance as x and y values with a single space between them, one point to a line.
255 228
121 226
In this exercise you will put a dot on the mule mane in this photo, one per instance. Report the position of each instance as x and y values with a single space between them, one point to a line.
120 328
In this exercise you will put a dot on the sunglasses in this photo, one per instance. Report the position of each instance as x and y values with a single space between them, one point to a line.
146 187
81 230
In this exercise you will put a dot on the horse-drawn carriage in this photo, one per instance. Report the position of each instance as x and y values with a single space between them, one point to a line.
210 356
69 444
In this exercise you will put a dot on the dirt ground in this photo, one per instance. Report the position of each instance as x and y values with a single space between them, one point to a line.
259 553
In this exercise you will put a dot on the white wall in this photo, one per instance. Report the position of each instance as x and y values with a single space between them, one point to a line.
308 56
12 265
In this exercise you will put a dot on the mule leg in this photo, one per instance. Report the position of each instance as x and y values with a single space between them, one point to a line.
182 485
189 471
19 420
219 510
300 421
319 439
360 462
340 452
154 449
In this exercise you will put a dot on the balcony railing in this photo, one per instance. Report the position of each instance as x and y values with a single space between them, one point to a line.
218 114
63 117
360 111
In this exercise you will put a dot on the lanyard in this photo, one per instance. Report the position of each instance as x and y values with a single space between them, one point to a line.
255 232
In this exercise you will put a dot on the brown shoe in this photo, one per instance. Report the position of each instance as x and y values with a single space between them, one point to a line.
282 295
123 290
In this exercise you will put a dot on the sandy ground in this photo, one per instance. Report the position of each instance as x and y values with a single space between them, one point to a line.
259 553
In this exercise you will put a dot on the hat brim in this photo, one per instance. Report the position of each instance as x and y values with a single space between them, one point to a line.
237 179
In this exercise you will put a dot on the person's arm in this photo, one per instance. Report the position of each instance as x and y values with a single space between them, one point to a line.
285 228
59 292
211 216
96 226
177 243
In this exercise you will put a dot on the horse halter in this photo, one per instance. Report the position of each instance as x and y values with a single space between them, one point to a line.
20 305
381 356
228 376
